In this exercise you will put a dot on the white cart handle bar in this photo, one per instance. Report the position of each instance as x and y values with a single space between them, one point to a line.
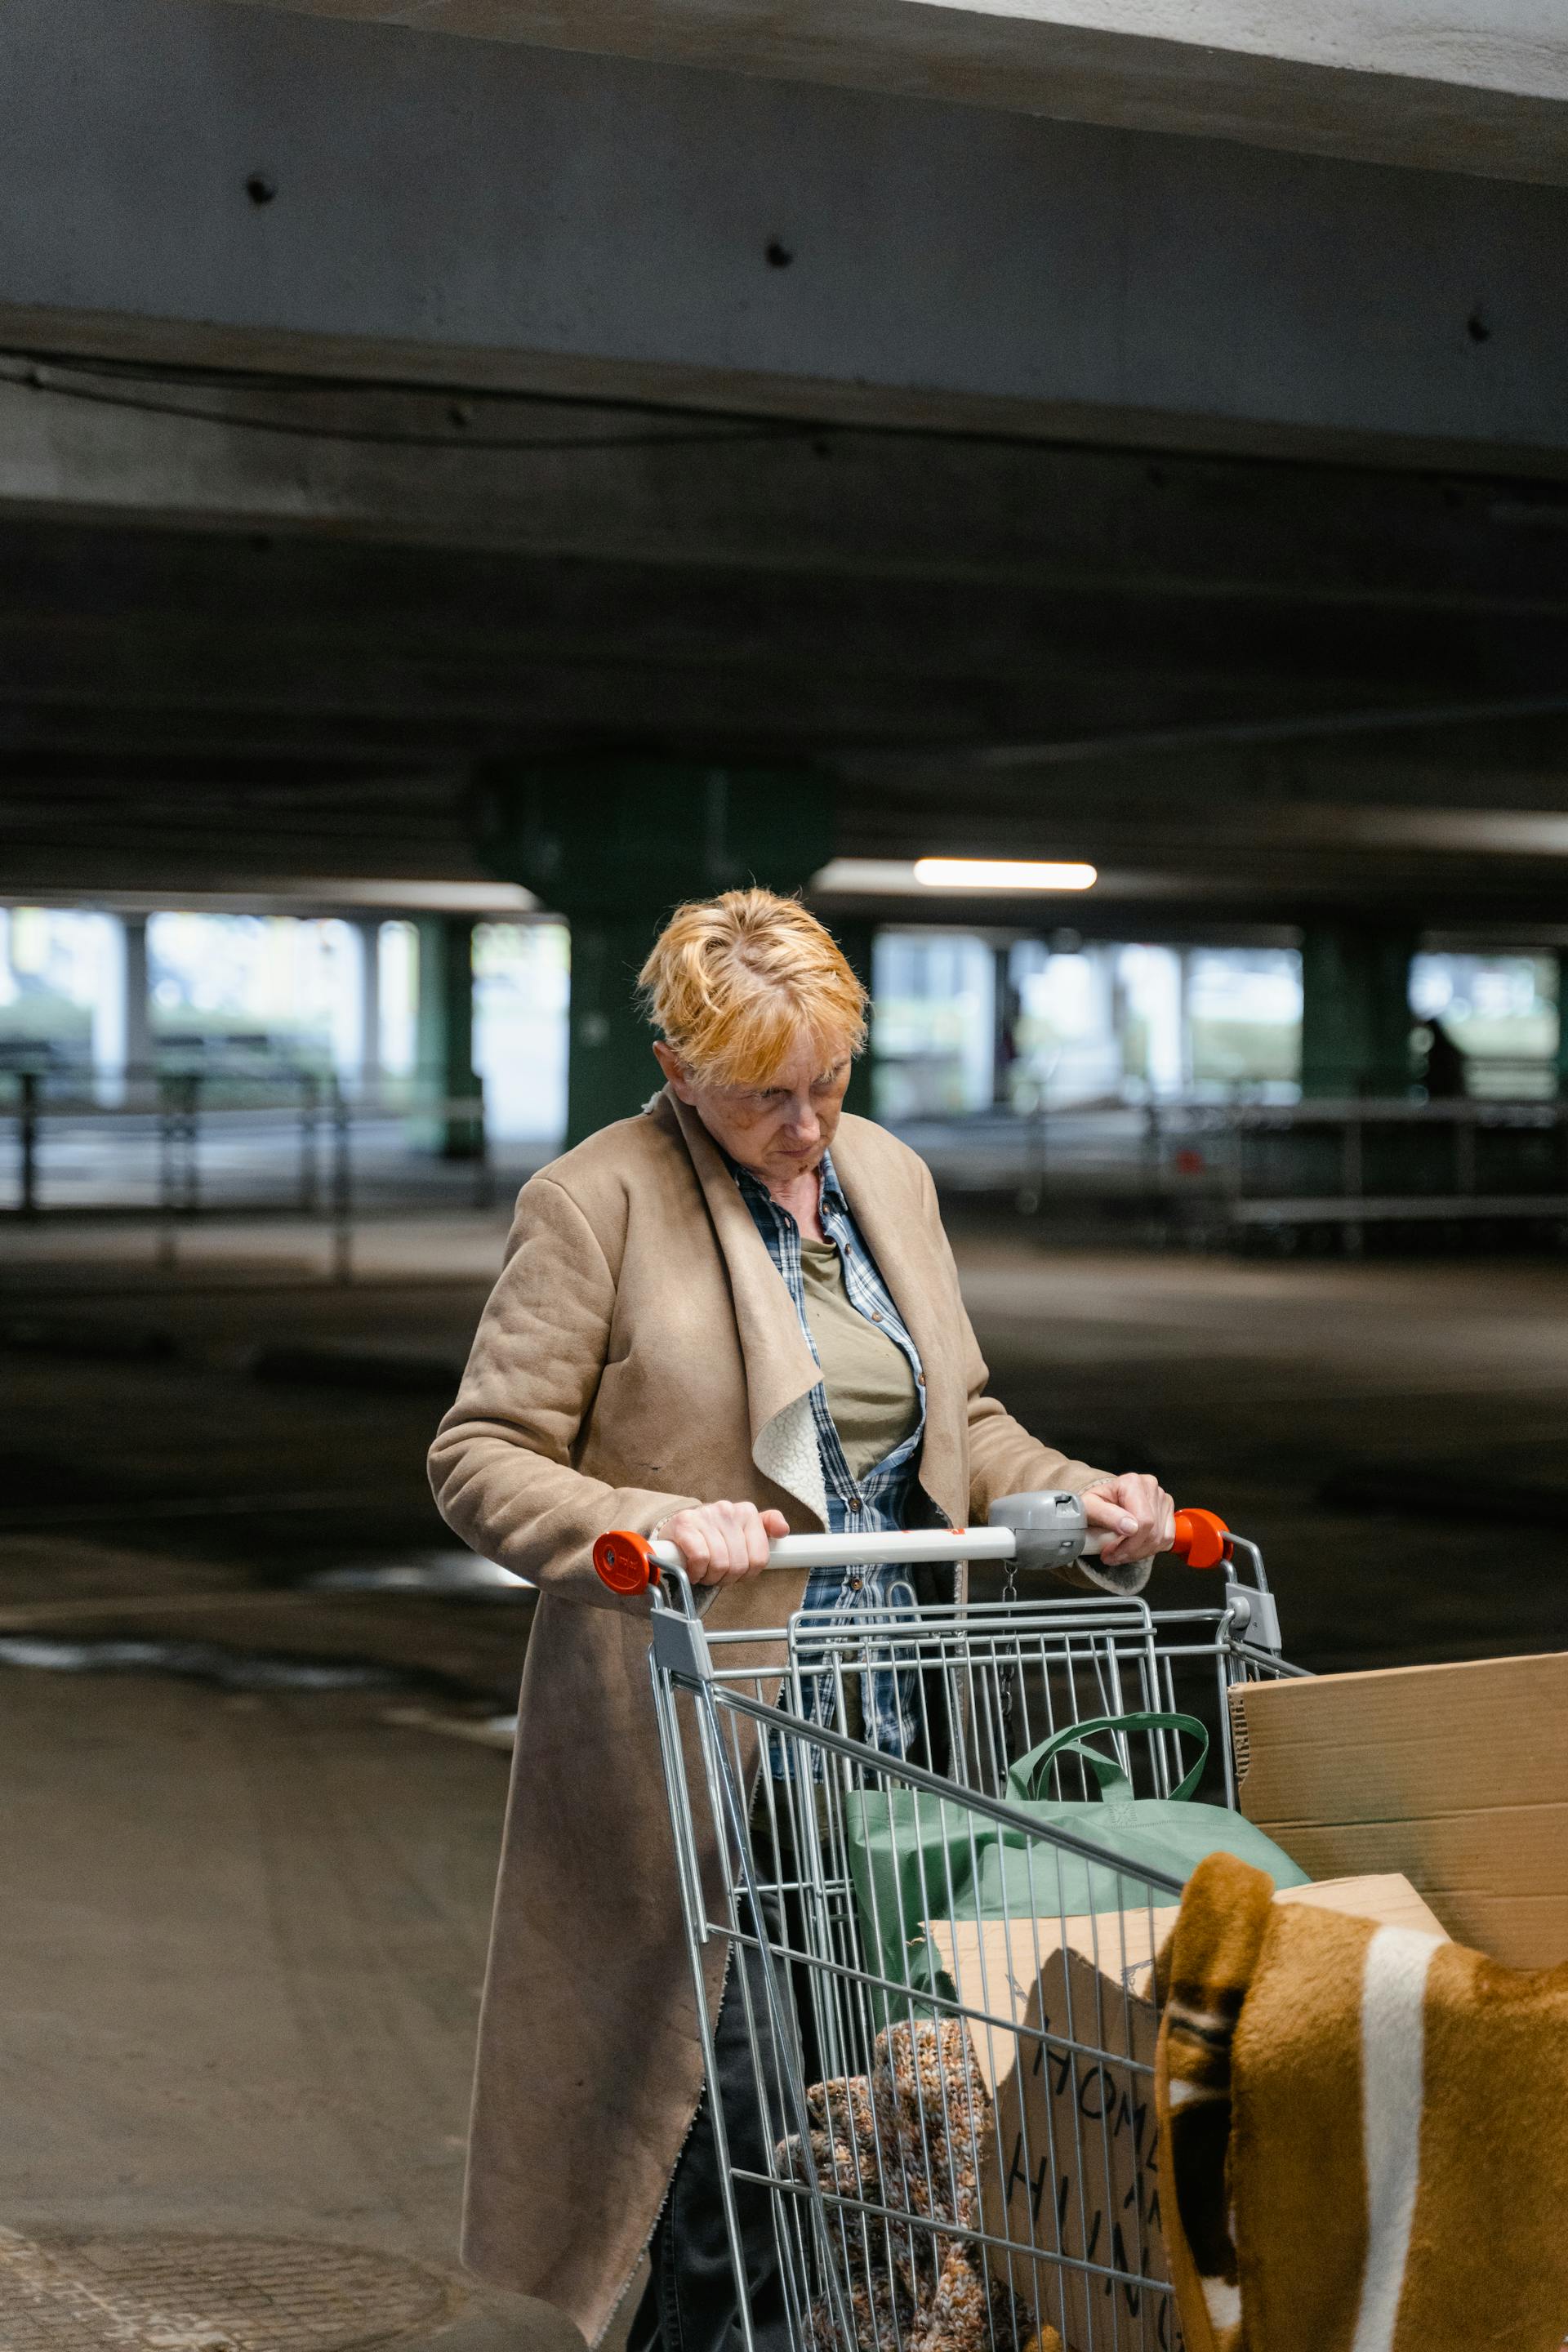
1043 1530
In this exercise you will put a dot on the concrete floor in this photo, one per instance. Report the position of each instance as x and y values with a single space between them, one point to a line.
244 1924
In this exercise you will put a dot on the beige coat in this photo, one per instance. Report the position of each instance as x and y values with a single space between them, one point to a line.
640 1352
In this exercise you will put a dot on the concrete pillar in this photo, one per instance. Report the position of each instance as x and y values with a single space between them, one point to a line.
445 1055
1004 1027
1355 1010
121 1011
1096 1062
347 965
614 845
140 1052
366 930
1161 1004
108 1013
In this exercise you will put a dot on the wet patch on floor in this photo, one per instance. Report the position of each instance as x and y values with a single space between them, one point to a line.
498 1731
458 1575
228 1668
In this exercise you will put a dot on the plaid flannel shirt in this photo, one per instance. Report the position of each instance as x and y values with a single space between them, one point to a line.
865 1506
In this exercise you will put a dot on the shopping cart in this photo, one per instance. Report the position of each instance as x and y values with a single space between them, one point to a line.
949 2004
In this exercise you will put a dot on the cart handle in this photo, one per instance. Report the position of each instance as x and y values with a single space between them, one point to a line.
628 1563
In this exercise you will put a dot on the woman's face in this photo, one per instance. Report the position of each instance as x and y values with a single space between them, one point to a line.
780 1130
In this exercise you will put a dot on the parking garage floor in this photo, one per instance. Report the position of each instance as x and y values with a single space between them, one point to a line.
247 1705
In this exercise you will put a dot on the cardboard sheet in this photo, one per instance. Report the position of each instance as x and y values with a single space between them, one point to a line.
1454 1775
1065 2045
1069 2179
997 1964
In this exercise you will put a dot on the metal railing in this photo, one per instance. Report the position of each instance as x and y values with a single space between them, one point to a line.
174 1145
1353 1163
1216 1171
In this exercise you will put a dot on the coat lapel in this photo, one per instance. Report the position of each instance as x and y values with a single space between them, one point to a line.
781 1371
900 1249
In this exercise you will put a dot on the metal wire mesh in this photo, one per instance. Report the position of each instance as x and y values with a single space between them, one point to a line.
950 2007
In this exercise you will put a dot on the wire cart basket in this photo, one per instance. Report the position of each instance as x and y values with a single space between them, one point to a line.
949 2004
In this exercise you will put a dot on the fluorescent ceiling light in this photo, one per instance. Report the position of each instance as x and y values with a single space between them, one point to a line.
1000 874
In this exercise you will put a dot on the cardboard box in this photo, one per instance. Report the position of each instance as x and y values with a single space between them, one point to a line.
1071 2165
1454 1775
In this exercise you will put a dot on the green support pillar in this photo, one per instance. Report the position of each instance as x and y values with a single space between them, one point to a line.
614 845
1355 1010
446 1037
857 938
609 1068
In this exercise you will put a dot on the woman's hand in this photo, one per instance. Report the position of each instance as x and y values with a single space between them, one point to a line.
1134 1513
721 1542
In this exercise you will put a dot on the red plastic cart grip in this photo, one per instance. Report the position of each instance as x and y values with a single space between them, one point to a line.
1199 1538
626 1562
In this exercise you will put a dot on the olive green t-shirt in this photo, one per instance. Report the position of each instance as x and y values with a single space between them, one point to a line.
870 1383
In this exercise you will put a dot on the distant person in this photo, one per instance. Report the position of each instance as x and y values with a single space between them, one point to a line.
731 1316
1447 1074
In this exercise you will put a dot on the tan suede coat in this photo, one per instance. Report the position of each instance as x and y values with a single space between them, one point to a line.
640 1352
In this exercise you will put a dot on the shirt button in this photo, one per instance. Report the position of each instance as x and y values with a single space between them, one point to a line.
921 1378
875 1316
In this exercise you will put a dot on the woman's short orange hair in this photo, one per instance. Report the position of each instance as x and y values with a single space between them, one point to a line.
735 983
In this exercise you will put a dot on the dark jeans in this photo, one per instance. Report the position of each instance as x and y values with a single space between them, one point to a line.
690 2303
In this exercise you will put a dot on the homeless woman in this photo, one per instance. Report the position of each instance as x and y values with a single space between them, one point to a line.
731 1317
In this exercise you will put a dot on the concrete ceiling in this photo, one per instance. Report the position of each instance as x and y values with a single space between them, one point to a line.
1245 691
374 405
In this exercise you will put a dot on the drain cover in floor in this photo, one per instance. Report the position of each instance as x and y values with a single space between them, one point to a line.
175 2293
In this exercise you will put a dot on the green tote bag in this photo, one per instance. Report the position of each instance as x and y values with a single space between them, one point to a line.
914 1857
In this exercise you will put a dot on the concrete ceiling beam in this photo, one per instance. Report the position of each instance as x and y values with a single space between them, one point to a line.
619 486
242 187
344 629
591 701
809 689
1375 80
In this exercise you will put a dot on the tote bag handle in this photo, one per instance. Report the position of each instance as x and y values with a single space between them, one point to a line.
1024 1778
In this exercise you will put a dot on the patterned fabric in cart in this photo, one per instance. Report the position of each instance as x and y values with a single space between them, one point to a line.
906 2138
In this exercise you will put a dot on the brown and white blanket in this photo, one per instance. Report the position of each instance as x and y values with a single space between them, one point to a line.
1364 2133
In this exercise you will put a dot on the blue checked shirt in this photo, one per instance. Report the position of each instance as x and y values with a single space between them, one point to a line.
866 1506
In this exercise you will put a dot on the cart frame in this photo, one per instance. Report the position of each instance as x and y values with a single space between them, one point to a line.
914 2110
